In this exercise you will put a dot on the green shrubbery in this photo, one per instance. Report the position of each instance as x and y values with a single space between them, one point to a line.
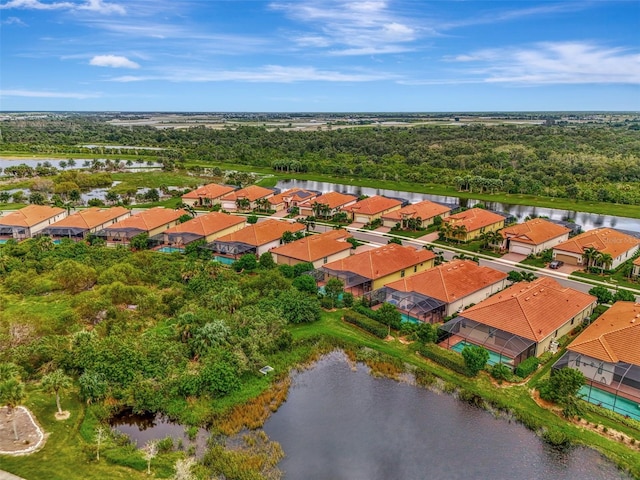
446 358
527 367
366 323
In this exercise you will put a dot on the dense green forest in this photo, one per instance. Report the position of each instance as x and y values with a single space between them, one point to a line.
584 162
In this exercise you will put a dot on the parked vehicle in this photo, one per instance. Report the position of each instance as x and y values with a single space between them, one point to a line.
556 264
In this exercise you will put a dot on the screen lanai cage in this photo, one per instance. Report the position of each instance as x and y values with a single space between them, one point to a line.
614 386
508 345
74 233
353 282
11 231
234 249
175 239
119 235
414 305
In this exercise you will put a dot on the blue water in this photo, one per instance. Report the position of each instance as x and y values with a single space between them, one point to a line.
3 241
494 358
408 318
609 401
171 250
224 260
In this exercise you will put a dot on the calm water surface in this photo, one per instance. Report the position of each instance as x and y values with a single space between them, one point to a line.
343 424
588 221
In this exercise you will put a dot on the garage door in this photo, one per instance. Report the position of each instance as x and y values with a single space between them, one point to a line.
521 249
362 219
568 259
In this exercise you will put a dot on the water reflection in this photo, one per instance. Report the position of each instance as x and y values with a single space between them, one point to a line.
343 424
588 221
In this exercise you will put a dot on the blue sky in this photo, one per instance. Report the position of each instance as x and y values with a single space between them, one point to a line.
319 55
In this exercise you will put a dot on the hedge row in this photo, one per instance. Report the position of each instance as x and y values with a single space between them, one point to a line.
446 358
367 324
527 367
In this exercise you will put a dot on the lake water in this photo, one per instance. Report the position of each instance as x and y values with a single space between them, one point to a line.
343 424
588 221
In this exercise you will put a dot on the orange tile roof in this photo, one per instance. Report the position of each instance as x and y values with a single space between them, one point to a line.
30 215
373 205
147 220
424 210
614 336
535 231
315 247
531 310
450 281
636 261
605 240
212 191
207 224
262 233
295 194
381 261
474 219
333 199
251 193
91 217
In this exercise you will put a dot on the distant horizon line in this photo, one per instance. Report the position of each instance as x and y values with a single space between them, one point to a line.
346 112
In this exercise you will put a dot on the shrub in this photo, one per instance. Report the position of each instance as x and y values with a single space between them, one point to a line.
475 358
556 438
500 371
165 445
527 367
366 324
446 358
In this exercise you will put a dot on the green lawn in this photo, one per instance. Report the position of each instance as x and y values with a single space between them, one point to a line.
617 279
471 247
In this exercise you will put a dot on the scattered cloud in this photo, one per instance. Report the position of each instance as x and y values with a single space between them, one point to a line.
554 63
47 94
265 74
98 6
13 21
114 61
351 27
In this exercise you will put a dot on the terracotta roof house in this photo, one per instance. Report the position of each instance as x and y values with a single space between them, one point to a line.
28 221
372 208
522 320
619 245
326 205
152 222
635 272
375 268
207 195
472 223
208 227
257 238
84 222
291 198
424 211
534 236
318 249
444 290
253 194
607 352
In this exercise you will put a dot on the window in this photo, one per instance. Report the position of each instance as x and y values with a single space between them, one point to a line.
572 320
401 273
600 369
325 259
578 361
415 269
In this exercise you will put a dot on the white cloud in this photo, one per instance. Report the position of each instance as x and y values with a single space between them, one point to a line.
266 74
13 21
554 63
47 94
114 61
98 6
351 27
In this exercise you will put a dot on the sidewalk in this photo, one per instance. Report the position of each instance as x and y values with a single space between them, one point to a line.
9 476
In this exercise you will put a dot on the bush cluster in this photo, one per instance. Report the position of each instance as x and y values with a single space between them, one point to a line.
366 323
527 367
444 357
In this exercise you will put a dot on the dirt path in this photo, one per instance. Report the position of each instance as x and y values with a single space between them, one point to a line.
30 435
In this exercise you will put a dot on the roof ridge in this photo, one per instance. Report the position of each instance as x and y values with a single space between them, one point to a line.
607 348
524 314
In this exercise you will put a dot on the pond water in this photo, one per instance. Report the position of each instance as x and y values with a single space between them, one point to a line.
80 163
338 423
588 221
143 428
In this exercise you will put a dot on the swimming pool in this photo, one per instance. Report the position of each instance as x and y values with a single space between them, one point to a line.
494 357
171 249
609 401
224 260
408 318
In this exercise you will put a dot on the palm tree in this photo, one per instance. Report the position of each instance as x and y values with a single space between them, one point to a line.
590 254
459 231
605 260
528 276
446 229
12 394
56 382
243 203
